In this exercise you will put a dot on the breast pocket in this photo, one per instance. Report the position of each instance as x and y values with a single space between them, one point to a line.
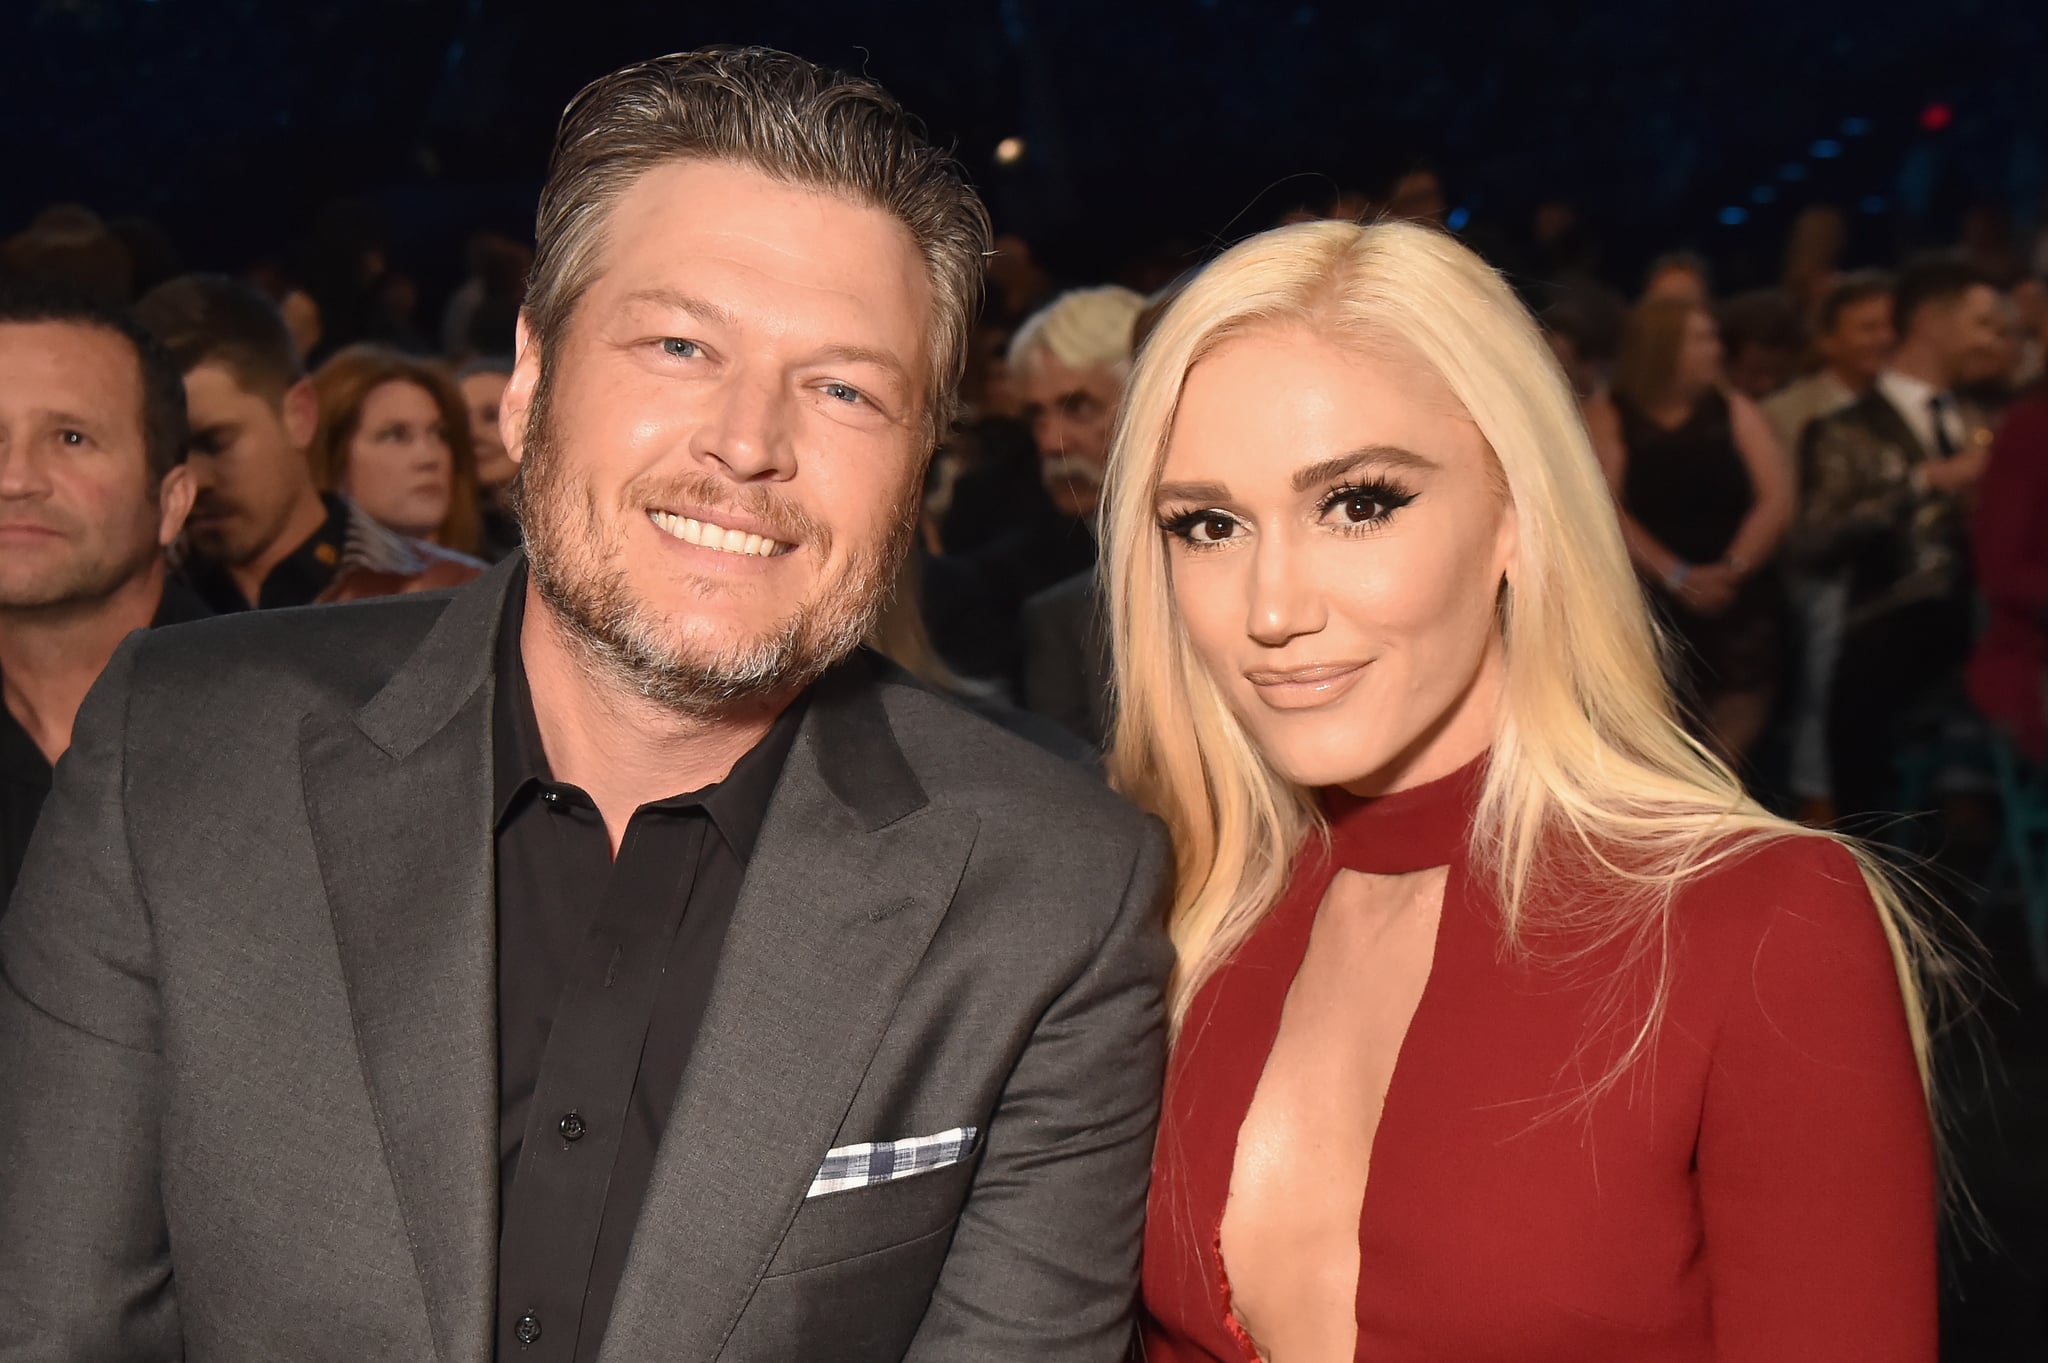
834 1227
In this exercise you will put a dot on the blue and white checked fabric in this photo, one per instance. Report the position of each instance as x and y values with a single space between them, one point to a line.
858 1166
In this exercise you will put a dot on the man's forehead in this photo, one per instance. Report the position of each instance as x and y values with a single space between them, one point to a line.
80 367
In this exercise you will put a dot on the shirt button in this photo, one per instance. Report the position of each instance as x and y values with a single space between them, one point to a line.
528 1328
572 1127
551 796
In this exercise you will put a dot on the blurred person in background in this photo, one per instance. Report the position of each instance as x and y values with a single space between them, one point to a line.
484 308
1764 339
1885 484
1853 334
70 243
2008 670
482 381
1070 360
93 490
1813 256
262 534
1680 275
1705 496
394 439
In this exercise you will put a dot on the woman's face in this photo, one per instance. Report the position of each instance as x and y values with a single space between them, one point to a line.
399 469
1699 358
1338 537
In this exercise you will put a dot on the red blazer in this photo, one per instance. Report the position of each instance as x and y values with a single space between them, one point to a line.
1761 1187
2009 532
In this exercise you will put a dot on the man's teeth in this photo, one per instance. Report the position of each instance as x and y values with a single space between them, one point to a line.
710 536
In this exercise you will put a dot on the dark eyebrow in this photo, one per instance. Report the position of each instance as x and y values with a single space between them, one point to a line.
70 419
1191 492
679 301
1329 470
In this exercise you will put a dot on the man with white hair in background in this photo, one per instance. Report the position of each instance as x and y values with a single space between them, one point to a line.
1069 361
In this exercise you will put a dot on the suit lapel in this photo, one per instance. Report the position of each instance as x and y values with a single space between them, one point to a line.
399 799
1891 424
851 878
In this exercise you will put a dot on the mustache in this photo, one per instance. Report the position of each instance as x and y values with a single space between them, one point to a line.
787 521
1070 470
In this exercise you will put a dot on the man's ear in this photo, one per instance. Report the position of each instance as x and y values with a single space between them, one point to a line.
301 410
174 503
519 390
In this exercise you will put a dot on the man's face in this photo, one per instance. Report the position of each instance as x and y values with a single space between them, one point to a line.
1969 334
1072 414
249 463
1860 343
80 515
723 455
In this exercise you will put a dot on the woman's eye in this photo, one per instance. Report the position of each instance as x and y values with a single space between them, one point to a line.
1211 528
677 348
1361 507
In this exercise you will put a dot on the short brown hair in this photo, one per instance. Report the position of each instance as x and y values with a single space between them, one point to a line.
212 319
345 383
788 118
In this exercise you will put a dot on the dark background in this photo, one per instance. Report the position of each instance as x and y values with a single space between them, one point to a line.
1151 124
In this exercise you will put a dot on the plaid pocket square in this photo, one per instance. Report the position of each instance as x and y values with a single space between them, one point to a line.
858 1166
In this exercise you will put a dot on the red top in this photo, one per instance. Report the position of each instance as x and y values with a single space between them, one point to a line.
2009 532
1761 1187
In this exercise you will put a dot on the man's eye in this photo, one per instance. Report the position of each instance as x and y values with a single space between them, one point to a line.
677 348
71 437
840 392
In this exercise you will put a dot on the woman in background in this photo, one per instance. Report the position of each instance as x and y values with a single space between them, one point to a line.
394 439
1706 496
1507 1027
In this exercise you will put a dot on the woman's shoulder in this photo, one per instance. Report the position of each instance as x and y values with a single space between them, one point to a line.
1785 922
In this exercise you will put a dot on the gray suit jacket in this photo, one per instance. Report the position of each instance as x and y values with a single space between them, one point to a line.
1067 657
248 1050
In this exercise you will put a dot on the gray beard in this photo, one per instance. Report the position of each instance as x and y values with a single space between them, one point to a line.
623 641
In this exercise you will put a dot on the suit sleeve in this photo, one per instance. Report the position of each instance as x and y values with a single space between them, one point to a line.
1044 1264
1055 668
84 1250
1816 1166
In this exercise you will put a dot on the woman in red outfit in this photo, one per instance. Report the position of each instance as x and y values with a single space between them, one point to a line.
1507 1026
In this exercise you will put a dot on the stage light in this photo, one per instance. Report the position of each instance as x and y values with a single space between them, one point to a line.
1458 218
1763 194
1009 151
1876 205
1937 116
1855 127
1793 173
1734 215
1827 149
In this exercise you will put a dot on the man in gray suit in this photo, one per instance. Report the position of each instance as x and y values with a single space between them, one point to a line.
605 962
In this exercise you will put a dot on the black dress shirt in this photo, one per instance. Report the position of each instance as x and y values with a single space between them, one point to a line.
604 971
25 774
297 580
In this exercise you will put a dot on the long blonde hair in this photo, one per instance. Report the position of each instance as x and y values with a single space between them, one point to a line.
1588 756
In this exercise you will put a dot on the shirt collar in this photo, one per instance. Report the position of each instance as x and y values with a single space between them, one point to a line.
737 805
297 580
1906 392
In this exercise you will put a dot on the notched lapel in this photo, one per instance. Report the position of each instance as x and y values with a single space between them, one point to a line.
401 827
841 899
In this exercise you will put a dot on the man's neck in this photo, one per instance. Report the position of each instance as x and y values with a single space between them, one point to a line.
1917 362
308 515
51 658
620 748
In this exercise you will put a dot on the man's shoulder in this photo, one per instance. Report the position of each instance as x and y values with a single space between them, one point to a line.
347 651
967 760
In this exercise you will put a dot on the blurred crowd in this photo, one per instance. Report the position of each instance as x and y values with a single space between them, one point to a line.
1835 488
